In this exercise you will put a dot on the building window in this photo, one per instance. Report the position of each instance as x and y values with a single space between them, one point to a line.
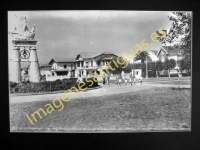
91 63
87 73
162 58
82 63
86 64
98 63
136 72
78 64
52 74
65 66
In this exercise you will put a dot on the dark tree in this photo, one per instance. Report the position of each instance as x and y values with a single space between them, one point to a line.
152 67
169 65
184 64
179 32
159 66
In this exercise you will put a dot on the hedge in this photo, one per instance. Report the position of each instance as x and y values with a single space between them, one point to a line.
46 86
35 87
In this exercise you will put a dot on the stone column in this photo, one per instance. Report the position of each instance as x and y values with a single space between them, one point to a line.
16 76
85 72
76 73
34 66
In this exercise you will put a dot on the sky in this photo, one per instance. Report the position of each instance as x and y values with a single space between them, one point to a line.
63 34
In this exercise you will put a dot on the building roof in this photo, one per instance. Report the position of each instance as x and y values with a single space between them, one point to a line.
107 53
64 60
88 54
45 65
106 58
85 55
154 51
171 50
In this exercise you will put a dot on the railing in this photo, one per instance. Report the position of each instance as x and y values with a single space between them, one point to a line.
88 67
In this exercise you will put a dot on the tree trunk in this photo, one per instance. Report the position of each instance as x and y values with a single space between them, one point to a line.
146 68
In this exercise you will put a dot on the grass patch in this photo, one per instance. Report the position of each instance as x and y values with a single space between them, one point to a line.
172 82
152 109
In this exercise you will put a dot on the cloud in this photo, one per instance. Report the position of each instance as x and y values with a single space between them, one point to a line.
80 14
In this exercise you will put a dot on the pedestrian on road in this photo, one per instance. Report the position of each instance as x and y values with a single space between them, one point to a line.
104 77
120 80
140 79
131 80
107 78
125 80
117 80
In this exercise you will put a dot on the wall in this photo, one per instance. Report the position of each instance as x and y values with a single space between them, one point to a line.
45 70
68 66
162 54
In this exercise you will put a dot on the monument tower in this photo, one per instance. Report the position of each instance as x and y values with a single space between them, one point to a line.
24 47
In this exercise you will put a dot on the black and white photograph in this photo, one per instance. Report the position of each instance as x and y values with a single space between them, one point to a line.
74 71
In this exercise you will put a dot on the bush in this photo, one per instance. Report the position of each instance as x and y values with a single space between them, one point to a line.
87 83
13 84
45 86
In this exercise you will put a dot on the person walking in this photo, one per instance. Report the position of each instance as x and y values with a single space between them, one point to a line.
117 80
125 81
120 80
104 77
131 79
140 79
107 78
157 74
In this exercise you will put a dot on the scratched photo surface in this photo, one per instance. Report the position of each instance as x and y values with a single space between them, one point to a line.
100 71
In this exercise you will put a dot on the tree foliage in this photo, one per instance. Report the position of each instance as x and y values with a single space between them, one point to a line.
180 32
142 56
168 65
184 64
159 66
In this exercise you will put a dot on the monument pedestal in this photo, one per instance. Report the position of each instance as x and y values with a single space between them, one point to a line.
34 72
16 76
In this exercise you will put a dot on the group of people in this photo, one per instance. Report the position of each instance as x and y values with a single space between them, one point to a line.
131 79
106 78
119 79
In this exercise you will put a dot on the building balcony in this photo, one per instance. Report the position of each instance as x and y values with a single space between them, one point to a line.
88 67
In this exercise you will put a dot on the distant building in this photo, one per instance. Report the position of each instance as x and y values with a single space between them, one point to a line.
89 62
152 54
63 67
45 69
169 52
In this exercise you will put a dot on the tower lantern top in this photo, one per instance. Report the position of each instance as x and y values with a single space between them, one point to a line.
25 34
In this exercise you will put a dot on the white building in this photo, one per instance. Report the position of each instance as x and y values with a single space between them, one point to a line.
45 69
89 62
152 54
